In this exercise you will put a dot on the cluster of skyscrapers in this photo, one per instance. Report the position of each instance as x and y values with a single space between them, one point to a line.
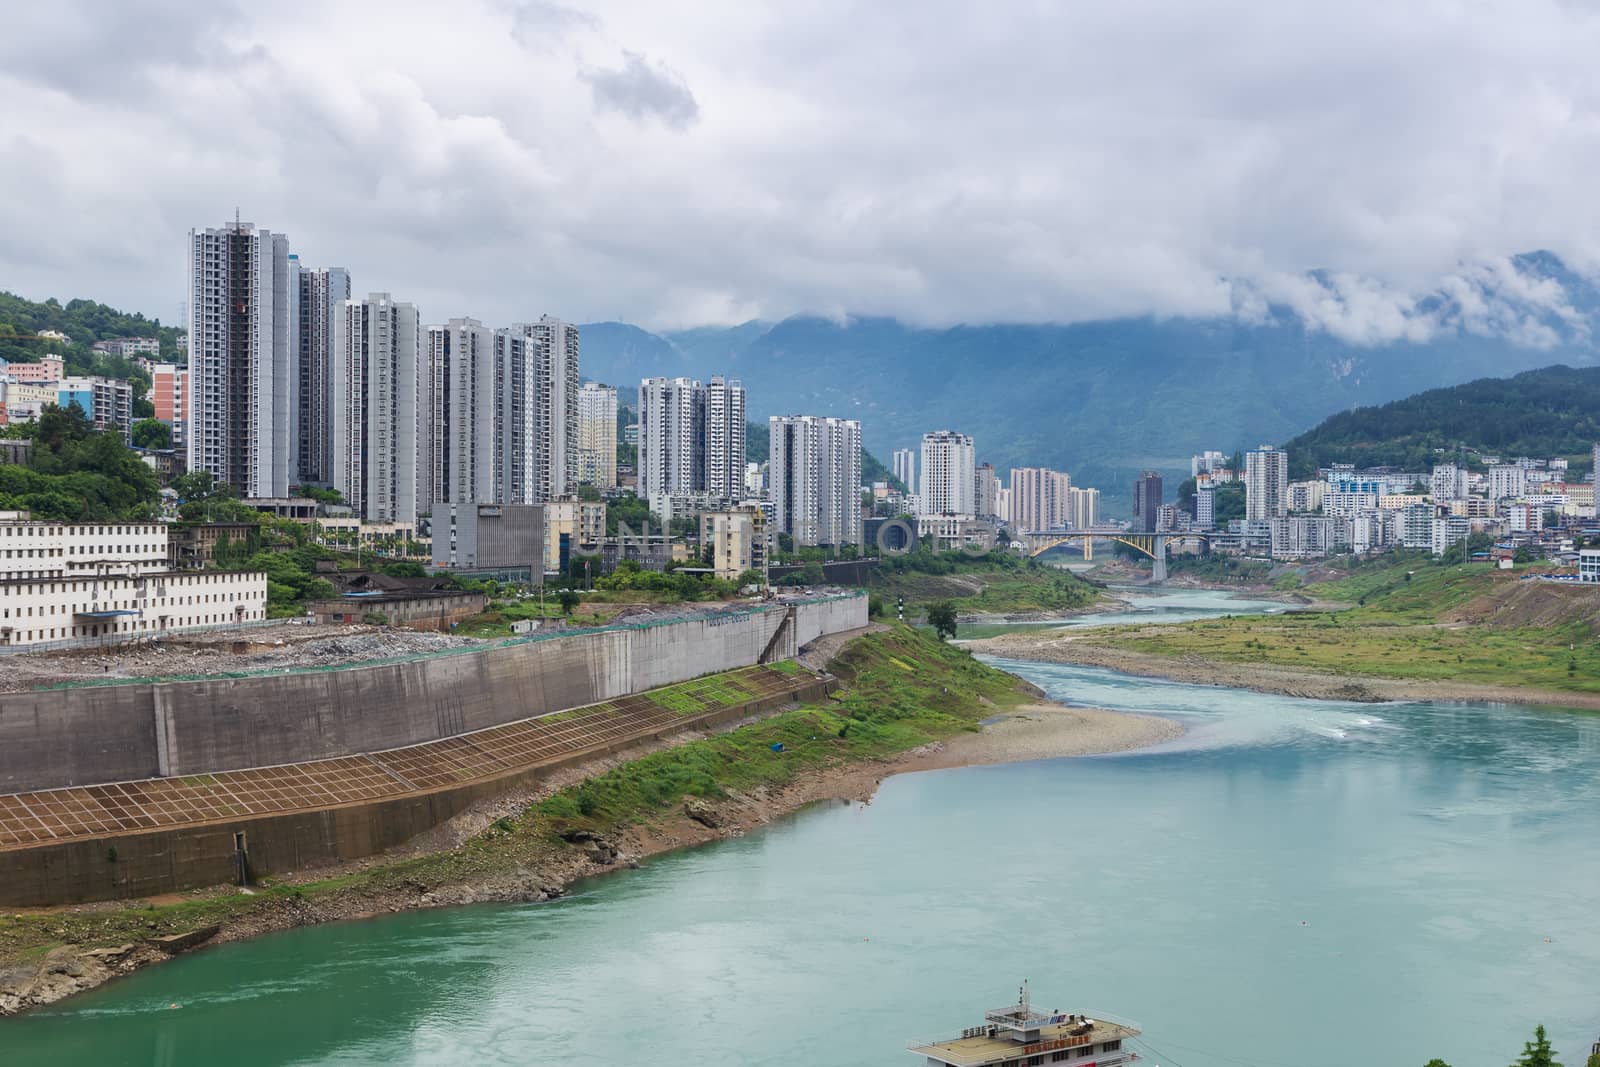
952 494
296 381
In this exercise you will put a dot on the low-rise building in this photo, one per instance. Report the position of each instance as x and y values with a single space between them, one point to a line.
65 583
490 538
106 402
738 541
570 526
47 369
1589 565
957 532
129 347
16 451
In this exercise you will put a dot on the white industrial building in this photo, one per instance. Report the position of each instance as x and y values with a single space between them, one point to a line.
87 582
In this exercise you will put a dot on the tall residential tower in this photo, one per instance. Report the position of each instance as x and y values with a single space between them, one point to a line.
815 469
242 358
373 404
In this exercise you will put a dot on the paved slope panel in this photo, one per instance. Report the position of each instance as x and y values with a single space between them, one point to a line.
58 815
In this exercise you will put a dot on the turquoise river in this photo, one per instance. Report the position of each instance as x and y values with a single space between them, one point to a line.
1294 883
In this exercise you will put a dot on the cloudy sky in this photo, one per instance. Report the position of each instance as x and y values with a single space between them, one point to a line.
675 164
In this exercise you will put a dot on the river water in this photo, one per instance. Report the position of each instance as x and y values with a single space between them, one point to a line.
1292 884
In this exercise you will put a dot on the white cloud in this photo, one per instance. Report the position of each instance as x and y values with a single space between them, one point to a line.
939 162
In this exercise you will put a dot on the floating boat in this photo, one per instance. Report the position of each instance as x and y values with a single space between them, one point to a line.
1019 1036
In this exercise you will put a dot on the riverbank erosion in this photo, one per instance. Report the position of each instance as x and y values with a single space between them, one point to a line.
903 702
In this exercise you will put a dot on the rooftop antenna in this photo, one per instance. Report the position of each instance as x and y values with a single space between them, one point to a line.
1022 997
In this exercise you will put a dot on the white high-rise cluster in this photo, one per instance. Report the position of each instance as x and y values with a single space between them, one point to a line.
814 465
294 383
691 437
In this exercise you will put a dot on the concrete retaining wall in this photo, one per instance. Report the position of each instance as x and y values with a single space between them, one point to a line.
93 734
133 865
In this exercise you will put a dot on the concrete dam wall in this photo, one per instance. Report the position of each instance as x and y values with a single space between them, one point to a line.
92 734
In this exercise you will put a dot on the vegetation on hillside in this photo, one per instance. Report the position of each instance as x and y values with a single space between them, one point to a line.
77 474
995 583
84 321
1554 411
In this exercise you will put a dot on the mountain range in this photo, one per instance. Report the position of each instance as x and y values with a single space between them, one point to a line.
1104 400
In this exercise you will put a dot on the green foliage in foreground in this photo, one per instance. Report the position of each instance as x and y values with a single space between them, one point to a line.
904 688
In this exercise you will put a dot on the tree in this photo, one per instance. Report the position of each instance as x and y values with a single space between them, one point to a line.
569 600
1594 1060
1537 1053
152 433
942 617
1436 1062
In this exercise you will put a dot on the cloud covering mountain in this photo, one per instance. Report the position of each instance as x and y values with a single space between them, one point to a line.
1105 399
936 163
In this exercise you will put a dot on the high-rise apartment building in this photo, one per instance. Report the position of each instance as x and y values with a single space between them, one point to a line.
814 467
1507 481
691 437
905 467
984 487
672 436
1205 507
597 435
461 393
1039 498
540 448
948 473
316 293
1266 483
374 384
725 433
1083 507
241 358
1146 500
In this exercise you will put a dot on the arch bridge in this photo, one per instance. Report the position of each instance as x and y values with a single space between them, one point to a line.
1151 543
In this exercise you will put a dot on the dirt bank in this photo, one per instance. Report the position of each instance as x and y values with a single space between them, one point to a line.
514 869
1262 678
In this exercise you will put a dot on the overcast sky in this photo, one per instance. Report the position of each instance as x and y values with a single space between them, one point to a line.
678 164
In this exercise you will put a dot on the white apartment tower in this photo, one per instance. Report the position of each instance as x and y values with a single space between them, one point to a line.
691 437
725 430
671 436
905 468
242 358
597 435
814 465
948 470
316 293
461 405
374 389
536 403
554 349
1266 483
1039 498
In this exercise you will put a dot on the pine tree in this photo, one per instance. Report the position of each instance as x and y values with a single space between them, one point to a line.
1436 1062
1537 1053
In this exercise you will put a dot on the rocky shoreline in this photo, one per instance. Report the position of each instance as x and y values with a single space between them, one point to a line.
1041 730
1263 678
